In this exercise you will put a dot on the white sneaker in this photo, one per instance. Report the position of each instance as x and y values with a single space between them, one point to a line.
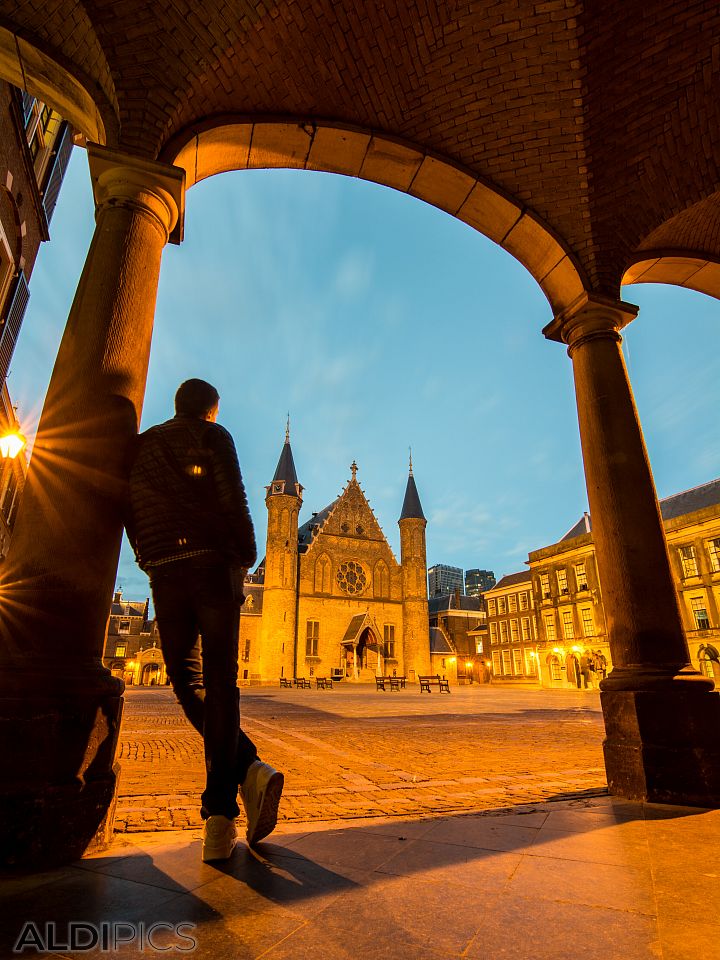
219 837
261 794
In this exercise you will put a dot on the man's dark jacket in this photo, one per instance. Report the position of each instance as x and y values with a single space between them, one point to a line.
186 496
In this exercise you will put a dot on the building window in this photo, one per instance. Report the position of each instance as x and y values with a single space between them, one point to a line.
525 624
312 636
493 633
496 662
491 608
702 621
512 603
523 601
506 664
550 632
517 661
124 626
478 646
581 576
545 586
389 641
588 626
120 649
562 581
689 562
503 631
502 605
714 551
514 631
246 651
567 622
530 663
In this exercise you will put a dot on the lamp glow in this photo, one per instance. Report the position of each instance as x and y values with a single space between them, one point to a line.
11 445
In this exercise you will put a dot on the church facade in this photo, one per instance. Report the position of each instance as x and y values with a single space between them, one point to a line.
330 598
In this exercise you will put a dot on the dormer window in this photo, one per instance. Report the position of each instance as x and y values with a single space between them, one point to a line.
277 487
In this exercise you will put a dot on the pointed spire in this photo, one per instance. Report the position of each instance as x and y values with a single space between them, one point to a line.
353 469
286 465
411 508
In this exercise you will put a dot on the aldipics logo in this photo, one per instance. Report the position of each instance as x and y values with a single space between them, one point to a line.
105 937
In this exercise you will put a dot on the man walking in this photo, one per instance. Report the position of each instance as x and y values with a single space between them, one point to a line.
189 524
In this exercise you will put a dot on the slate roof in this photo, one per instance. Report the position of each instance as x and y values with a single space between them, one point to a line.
411 509
679 504
448 601
706 495
439 642
308 531
286 467
511 579
127 608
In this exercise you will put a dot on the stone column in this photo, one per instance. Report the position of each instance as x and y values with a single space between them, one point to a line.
59 707
660 713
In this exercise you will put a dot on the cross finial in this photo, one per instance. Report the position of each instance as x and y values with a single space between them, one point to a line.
353 469
410 449
287 429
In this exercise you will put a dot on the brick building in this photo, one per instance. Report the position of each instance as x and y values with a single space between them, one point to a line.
329 598
132 643
463 621
35 145
512 630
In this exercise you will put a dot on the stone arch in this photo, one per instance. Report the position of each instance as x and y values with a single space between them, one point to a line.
56 80
225 143
684 251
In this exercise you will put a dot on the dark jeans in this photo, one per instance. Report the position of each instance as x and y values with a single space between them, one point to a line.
198 615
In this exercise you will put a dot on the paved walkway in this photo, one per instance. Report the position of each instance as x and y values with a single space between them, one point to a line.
595 879
354 752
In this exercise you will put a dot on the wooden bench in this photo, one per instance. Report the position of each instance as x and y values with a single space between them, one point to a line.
302 683
441 683
395 683
285 682
323 683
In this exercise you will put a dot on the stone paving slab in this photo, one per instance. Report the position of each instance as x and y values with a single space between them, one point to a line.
355 752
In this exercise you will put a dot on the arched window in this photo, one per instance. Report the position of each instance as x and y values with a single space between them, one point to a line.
381 579
323 572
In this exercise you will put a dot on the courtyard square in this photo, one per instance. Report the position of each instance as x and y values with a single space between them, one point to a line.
355 752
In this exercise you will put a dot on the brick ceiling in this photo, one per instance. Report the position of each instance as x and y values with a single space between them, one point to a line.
602 117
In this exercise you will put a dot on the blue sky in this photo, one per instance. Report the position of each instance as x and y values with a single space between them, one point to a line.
380 322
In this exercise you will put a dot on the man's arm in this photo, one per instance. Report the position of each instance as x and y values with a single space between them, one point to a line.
232 502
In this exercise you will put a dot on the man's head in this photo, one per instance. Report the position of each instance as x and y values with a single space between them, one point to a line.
197 398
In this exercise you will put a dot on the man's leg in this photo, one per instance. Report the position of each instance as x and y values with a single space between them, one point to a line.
229 752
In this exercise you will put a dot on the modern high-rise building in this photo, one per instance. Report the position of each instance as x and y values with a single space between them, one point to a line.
443 579
477 581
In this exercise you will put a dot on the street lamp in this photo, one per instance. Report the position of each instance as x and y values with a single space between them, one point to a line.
11 444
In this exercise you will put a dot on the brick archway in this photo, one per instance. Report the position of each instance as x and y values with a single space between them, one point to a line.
227 143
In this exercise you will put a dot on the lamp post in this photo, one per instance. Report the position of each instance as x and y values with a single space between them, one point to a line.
11 444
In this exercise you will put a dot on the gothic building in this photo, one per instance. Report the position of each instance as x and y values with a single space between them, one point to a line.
329 598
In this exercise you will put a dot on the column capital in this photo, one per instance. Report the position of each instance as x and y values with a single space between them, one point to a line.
156 187
590 317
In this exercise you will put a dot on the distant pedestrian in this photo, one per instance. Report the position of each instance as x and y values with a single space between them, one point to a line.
585 670
189 524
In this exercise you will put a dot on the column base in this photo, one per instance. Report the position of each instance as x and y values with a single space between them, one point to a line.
661 746
58 790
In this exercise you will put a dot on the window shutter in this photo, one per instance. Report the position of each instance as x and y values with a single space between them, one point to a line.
11 323
63 148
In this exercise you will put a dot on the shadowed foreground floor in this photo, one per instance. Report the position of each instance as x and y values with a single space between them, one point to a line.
594 878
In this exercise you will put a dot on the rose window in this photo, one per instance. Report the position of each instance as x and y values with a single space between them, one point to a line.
351 577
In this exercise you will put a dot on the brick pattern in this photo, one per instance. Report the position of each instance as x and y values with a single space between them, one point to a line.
361 753
593 114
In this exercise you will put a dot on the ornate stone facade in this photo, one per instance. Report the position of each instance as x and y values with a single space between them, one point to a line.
330 598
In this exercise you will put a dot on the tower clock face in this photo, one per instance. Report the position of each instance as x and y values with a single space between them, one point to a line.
351 577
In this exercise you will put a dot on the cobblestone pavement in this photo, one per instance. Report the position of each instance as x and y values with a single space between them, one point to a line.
354 752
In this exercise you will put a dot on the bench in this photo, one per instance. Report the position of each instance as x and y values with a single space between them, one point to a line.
441 683
302 683
323 683
395 683
285 682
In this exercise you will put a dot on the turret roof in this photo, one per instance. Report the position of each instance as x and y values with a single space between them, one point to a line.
286 465
411 508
